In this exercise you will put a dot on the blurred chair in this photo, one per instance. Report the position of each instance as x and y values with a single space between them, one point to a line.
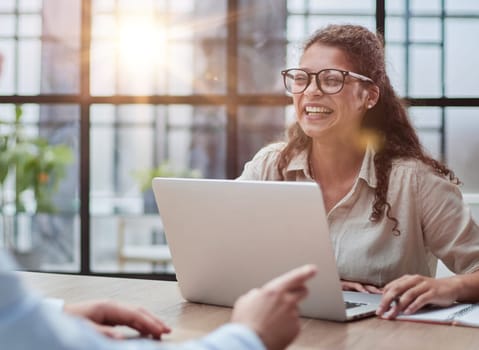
154 253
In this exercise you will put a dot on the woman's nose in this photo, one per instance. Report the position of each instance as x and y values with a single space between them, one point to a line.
313 89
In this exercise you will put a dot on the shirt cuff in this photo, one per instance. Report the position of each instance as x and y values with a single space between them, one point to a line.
233 336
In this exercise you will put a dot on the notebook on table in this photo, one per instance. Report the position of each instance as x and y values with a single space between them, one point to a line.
458 314
228 236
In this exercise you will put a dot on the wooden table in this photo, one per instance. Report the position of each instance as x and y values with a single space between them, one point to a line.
190 320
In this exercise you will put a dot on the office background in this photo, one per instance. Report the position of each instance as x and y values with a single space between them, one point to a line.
187 88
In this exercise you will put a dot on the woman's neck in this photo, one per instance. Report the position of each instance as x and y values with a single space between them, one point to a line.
335 163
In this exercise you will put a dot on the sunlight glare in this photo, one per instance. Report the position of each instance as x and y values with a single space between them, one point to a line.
142 44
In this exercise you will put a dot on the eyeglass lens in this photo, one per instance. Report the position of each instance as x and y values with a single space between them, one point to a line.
328 81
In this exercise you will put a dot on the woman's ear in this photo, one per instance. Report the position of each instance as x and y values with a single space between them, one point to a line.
373 96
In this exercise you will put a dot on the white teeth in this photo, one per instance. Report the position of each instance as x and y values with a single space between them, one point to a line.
316 109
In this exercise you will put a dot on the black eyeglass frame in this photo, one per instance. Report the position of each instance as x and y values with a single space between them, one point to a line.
344 73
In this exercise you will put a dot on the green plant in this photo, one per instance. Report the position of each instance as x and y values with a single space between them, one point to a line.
165 169
33 163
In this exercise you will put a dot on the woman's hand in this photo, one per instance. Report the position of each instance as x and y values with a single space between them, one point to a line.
358 287
411 292
106 314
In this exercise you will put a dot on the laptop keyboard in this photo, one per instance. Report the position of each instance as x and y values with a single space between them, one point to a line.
350 304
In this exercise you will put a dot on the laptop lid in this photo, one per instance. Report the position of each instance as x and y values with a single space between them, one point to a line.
227 237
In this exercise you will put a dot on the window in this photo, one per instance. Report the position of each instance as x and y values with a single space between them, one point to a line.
192 88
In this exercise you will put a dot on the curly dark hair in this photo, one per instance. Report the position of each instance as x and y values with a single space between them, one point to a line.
388 119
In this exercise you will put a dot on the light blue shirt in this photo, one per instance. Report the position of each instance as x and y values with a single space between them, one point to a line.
27 323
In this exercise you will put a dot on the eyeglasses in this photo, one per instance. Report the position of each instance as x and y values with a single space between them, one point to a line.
329 81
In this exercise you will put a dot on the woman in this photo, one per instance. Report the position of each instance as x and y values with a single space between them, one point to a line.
392 209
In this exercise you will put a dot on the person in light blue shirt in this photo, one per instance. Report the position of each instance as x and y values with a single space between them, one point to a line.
264 318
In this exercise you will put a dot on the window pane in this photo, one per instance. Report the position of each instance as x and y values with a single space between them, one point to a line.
102 26
316 22
425 117
103 5
427 121
414 51
180 79
7 25
426 30
41 227
260 69
29 67
425 7
296 5
395 7
292 59
262 51
209 67
257 127
462 7
129 243
7 5
103 75
431 140
208 141
128 138
42 54
272 37
121 142
7 76
425 74
30 5
128 144
296 28
463 145
461 57
438 58
172 48
61 52
343 6
395 30
29 25
395 66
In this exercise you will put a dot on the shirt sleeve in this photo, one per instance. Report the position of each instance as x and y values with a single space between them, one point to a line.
263 164
54 303
449 229
230 336
26 323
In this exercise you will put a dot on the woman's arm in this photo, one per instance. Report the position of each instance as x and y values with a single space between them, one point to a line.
452 235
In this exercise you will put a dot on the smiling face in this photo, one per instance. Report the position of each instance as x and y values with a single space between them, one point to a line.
338 115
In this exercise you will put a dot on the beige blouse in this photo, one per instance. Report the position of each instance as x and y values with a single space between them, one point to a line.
433 220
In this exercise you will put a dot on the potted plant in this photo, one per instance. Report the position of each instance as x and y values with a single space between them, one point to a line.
28 166
165 169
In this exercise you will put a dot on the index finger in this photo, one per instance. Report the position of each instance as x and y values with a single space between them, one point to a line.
293 279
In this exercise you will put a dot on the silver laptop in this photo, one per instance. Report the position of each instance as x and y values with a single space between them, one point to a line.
229 236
